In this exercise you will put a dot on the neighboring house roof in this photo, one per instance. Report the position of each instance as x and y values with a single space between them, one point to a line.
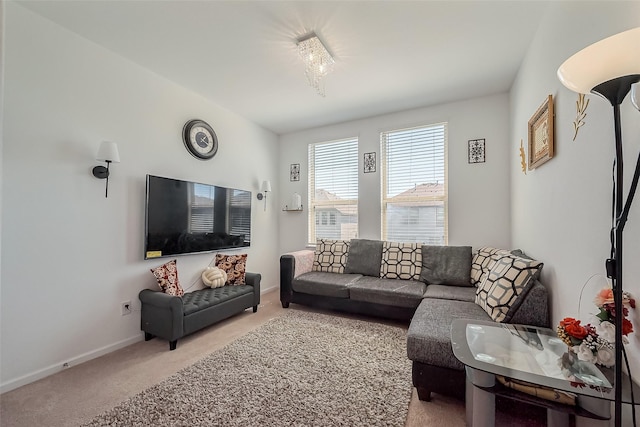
426 190
423 190
327 196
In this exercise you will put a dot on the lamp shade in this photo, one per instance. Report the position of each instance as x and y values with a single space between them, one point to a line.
266 186
108 152
608 59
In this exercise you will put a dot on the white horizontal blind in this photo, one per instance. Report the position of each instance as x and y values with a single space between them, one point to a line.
333 190
414 184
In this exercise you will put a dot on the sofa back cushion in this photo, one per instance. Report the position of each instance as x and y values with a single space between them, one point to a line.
506 285
446 265
401 261
330 255
364 257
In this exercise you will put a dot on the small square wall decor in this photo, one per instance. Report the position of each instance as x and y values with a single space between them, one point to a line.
369 162
476 151
294 172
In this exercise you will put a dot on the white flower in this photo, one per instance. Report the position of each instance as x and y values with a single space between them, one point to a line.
584 352
607 331
606 356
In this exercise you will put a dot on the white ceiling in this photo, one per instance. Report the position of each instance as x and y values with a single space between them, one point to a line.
390 55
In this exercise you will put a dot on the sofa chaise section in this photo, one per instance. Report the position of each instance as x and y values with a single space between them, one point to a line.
434 367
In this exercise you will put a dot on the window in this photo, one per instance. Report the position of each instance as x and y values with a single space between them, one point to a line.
333 190
414 184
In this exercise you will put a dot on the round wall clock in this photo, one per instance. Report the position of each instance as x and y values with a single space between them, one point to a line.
200 139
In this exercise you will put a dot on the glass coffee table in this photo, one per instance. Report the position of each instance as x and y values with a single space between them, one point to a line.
537 357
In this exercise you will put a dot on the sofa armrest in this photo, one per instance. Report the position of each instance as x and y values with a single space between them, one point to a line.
292 265
162 315
254 279
534 309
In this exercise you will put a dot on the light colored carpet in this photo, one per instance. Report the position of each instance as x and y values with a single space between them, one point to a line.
302 368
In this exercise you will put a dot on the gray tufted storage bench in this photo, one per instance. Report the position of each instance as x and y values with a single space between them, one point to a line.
434 367
172 317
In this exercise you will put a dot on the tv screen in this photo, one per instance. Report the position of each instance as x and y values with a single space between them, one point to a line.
183 217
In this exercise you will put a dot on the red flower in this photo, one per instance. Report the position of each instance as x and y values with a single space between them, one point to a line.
627 327
573 328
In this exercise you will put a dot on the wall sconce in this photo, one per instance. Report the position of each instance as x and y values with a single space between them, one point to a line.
266 187
108 152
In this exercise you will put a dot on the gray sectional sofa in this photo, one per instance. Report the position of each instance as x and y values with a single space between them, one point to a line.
426 285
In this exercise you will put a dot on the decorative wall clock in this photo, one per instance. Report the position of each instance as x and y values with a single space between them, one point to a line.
200 139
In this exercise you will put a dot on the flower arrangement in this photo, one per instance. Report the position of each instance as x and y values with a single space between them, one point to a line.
594 343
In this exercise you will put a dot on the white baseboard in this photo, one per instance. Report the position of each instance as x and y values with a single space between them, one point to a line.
60 366
57 367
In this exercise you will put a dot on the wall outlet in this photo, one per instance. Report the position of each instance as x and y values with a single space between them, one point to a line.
125 308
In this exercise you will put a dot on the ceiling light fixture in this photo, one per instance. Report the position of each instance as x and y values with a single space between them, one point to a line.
317 60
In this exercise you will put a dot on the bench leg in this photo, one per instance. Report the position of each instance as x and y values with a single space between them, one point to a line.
255 308
148 336
424 394
285 304
172 345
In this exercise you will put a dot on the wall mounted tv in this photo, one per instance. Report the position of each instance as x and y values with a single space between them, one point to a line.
183 217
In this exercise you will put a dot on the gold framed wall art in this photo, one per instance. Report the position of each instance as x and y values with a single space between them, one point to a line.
541 135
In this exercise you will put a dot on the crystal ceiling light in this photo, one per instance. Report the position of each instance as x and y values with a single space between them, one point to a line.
317 59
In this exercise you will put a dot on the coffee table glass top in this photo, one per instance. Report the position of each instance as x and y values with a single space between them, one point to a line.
531 354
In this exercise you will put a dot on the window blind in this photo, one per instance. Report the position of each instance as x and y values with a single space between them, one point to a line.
414 184
333 190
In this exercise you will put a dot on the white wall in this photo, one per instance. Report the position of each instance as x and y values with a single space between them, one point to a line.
561 212
70 256
478 193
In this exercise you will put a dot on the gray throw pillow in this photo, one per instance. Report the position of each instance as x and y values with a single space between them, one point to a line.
364 257
446 265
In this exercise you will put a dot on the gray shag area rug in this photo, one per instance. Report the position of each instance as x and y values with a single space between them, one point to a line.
303 368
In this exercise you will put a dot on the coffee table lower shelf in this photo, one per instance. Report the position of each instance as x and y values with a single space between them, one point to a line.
504 391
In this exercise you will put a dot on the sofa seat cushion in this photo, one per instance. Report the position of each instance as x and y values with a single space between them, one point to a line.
456 293
207 297
326 284
394 292
429 335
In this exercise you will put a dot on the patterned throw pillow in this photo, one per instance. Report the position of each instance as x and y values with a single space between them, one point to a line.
330 255
401 261
505 286
482 262
167 277
235 267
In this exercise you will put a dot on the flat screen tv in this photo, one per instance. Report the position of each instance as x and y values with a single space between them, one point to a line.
183 217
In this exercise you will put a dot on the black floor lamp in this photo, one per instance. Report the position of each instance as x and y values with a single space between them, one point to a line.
609 68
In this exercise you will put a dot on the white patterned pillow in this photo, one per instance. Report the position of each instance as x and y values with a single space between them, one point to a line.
482 262
401 261
505 286
330 255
